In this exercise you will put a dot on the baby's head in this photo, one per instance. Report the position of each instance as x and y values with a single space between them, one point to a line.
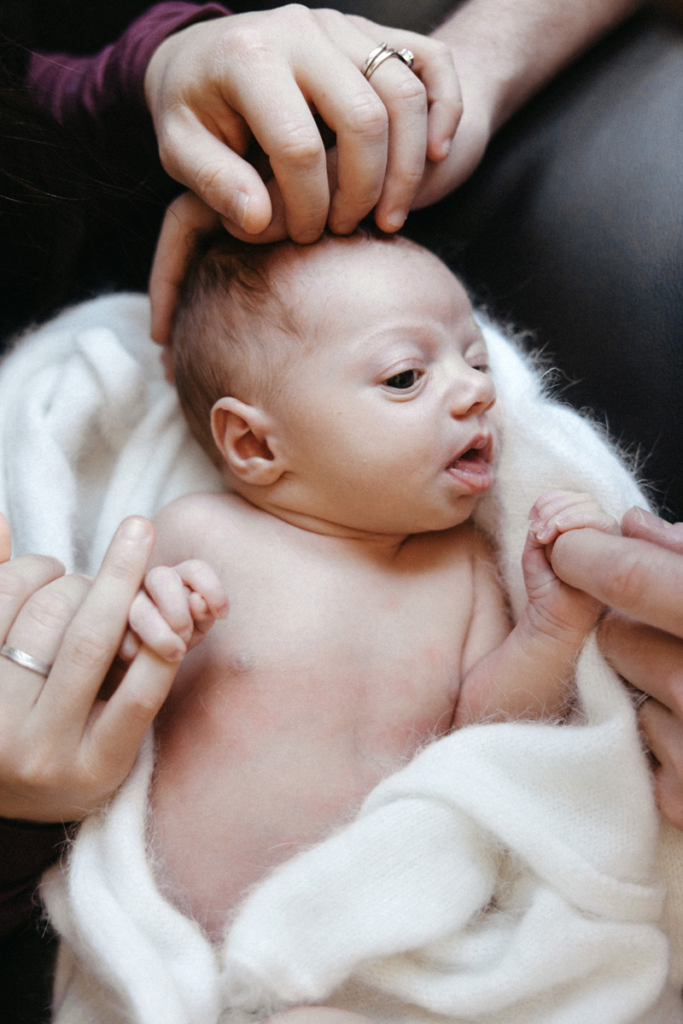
341 384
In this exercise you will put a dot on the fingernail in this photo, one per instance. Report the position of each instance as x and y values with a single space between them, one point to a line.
396 218
239 208
645 516
134 528
446 147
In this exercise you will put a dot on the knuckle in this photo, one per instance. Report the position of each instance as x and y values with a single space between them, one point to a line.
626 581
208 178
301 145
242 40
87 650
298 13
410 91
51 608
12 587
15 576
38 771
367 116
160 574
141 707
260 41
441 51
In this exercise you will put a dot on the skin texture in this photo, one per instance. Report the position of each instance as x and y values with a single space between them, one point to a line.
213 86
366 616
63 751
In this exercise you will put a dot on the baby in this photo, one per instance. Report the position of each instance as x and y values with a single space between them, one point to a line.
343 389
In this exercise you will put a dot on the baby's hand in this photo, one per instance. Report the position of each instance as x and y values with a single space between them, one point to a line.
174 611
557 608
556 512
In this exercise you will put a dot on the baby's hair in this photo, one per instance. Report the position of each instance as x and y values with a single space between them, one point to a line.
227 299
235 328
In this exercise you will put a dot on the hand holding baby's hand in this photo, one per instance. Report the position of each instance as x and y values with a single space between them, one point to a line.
556 512
557 606
175 610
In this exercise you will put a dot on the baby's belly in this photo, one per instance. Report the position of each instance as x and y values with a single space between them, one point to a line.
250 770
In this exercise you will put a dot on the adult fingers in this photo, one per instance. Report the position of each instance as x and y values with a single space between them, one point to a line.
402 119
95 633
202 140
186 219
117 730
434 66
38 631
643 525
19 579
663 732
643 580
280 117
225 181
649 659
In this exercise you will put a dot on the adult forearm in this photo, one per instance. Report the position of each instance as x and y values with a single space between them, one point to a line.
511 48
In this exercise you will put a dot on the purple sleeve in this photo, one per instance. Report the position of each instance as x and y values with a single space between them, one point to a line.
26 849
74 88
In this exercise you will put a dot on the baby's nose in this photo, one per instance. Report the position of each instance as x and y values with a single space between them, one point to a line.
473 394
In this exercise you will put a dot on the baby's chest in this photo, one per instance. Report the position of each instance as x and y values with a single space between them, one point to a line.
371 660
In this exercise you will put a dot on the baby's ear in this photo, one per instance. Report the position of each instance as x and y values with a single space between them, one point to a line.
243 434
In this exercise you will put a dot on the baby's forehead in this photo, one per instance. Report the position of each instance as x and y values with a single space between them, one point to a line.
341 263
349 293
332 253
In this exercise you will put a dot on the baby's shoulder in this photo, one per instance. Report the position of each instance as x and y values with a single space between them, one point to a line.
194 523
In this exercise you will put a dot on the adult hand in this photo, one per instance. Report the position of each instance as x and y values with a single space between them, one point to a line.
63 750
214 86
640 576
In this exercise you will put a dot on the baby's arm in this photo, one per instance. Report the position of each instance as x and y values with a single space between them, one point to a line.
175 610
529 673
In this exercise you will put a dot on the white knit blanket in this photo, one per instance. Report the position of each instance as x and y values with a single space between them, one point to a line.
511 873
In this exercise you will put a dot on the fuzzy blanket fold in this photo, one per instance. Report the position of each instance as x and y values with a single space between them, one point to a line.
512 873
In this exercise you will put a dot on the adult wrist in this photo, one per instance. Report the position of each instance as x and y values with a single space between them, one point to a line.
505 52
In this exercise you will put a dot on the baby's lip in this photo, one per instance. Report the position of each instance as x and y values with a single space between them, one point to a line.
480 447
472 467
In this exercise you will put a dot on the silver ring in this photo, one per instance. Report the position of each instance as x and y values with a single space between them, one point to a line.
382 53
371 56
407 56
25 660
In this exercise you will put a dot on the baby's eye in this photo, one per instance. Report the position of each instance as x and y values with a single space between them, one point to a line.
404 380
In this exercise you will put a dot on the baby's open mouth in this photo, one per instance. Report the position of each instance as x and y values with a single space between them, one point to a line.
472 468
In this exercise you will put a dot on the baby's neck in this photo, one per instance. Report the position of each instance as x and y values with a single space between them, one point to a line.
369 541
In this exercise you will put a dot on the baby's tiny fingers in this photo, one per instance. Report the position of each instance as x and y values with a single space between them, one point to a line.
130 645
154 631
202 579
557 512
166 588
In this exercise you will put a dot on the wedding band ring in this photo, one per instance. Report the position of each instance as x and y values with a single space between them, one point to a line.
382 53
25 660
